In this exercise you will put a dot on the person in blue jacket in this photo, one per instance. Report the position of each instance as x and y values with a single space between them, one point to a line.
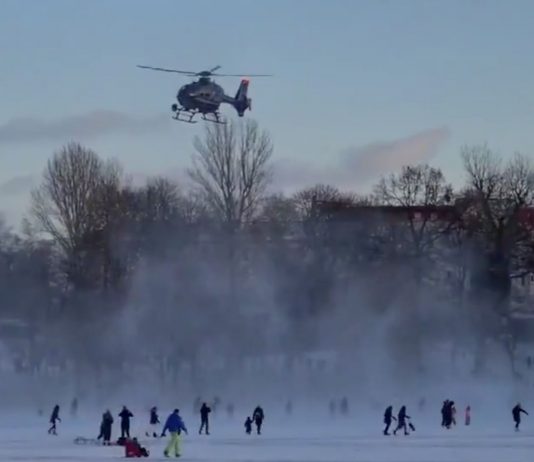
175 425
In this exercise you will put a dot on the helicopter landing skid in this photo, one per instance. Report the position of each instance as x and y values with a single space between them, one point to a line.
183 115
216 118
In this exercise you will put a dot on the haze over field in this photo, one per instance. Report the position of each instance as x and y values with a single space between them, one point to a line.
365 233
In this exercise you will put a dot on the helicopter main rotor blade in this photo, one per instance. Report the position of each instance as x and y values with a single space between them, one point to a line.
243 75
211 71
162 69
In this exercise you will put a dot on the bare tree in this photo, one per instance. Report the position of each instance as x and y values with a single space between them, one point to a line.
419 190
307 200
76 204
497 195
62 205
231 169
498 191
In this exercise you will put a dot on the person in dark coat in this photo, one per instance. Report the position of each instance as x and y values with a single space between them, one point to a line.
388 419
258 416
401 421
444 413
125 416
54 418
153 423
204 419
248 425
448 414
516 412
105 428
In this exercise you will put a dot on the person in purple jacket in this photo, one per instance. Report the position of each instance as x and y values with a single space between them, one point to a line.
175 425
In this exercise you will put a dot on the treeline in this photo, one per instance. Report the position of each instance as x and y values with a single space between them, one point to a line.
173 276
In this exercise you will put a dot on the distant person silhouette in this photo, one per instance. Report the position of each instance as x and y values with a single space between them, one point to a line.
125 416
248 426
388 419
204 419
516 412
258 416
401 421
54 418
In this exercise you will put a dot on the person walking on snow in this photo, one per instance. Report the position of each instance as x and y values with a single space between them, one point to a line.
444 413
248 426
468 416
516 412
401 423
105 428
258 417
54 418
153 423
204 419
175 425
125 416
388 419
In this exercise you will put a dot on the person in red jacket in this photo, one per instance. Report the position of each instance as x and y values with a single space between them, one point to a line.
132 448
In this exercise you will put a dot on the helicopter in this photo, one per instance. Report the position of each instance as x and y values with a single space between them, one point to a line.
203 96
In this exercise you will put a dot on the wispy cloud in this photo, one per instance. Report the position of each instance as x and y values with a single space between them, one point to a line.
357 165
79 127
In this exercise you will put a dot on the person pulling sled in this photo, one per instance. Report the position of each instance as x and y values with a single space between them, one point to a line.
403 422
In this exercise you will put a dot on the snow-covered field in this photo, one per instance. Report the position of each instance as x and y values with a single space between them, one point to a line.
25 440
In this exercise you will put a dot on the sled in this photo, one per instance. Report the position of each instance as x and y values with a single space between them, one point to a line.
80 440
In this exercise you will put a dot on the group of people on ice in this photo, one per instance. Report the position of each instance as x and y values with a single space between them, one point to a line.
174 425
448 417
403 421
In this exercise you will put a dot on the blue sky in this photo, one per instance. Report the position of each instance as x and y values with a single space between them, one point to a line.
360 87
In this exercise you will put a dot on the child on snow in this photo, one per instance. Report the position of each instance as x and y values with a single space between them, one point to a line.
153 423
248 425
468 415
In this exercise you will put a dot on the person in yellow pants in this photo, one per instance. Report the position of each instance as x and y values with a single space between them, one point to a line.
173 448
175 425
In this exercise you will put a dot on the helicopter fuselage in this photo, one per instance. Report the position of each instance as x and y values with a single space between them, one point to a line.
203 95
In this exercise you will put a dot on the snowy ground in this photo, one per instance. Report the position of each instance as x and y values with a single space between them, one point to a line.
308 442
